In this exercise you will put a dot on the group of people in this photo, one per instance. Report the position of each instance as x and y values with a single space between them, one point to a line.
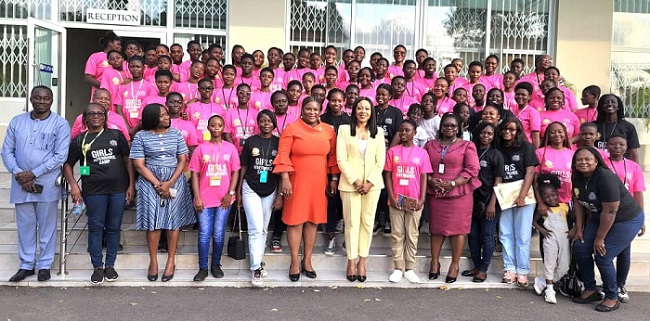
390 145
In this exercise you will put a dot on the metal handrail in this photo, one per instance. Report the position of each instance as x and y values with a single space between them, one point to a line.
66 230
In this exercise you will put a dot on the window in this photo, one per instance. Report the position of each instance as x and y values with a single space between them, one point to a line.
470 29
203 14
630 70
21 9
13 59
154 12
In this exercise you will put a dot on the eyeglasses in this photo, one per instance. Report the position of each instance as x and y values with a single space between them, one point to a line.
95 114
450 126
206 88
509 129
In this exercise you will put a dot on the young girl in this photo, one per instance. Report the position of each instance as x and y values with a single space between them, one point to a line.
301 68
258 61
115 75
274 57
351 95
453 80
331 77
428 74
528 115
400 99
213 72
190 89
412 87
215 172
509 83
257 190
460 96
589 136
352 72
247 76
240 121
415 114
200 111
308 82
492 79
430 122
406 170
552 224
261 98
444 104
590 96
462 110
128 103
294 91
389 118
381 72
555 157
397 68
366 78
226 96
187 128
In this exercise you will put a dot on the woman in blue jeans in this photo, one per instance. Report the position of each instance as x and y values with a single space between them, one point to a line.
607 220
257 189
107 178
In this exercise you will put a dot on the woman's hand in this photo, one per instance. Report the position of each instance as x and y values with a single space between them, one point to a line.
198 204
75 193
278 202
520 201
542 209
575 234
163 189
358 185
490 212
130 194
599 246
642 232
365 188
226 201
544 232
285 187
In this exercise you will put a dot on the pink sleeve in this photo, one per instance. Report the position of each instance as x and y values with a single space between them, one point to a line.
195 160
388 164
77 127
234 159
539 152
426 164
638 185
228 128
191 137
535 121
471 166
576 124
91 66
573 103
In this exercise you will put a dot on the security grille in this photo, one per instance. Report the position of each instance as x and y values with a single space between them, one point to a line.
154 12
13 59
21 9
204 14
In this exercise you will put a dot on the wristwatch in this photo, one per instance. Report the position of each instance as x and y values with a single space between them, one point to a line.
231 193
453 183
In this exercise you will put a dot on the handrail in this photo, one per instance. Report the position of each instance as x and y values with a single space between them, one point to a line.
66 231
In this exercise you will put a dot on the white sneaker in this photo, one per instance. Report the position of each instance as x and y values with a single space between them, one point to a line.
256 279
540 285
340 225
623 296
549 295
395 276
411 276
264 273
331 247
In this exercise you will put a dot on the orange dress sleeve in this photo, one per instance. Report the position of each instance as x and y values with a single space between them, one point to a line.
282 162
332 164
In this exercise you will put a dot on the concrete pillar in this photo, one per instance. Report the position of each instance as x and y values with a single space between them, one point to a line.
257 24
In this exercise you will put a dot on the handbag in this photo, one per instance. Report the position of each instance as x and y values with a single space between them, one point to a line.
236 244
570 285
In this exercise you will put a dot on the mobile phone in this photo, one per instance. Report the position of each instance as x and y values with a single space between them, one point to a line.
38 189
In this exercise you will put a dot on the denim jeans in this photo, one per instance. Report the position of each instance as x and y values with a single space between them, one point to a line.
618 238
212 224
481 242
334 212
623 262
515 227
258 214
104 213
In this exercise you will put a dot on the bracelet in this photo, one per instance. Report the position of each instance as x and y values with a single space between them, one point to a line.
335 178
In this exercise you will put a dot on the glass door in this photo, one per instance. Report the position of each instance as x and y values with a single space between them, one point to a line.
46 59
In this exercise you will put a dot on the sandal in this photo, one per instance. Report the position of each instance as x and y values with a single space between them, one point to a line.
591 298
471 272
603 308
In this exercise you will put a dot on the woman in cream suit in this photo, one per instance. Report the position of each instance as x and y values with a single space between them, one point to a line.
360 153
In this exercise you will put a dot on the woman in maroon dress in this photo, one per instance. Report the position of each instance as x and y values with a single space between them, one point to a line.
450 188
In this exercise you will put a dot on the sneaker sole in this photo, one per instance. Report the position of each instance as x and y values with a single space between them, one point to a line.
96 283
111 280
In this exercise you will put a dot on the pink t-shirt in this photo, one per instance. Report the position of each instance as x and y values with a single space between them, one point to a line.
278 79
570 102
187 90
343 74
426 85
394 70
95 66
241 124
380 81
283 122
535 80
568 118
368 93
459 82
530 120
187 129
149 72
403 103
494 81
112 80
445 105
294 74
184 70
557 162
153 98
586 115
406 166
226 97
215 164
199 114
253 82
113 121
130 99
510 103
414 90
629 172
261 100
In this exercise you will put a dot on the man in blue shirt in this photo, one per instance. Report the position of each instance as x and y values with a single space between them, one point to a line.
35 147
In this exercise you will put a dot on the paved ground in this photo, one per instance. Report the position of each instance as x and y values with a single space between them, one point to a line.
143 303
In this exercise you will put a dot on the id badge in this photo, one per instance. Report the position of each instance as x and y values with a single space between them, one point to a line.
202 125
206 135
264 176
134 114
441 168
242 142
403 182
215 181
84 170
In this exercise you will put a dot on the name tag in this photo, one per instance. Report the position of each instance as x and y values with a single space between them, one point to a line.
403 182
215 181
84 170
441 168
264 176
134 114
202 125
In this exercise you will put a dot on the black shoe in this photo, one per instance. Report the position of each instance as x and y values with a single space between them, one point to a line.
361 278
21 275
110 274
44 275
449 279
98 276
309 274
120 247
294 277
216 271
203 273
591 298
152 277
603 308
352 278
167 278
433 276
387 230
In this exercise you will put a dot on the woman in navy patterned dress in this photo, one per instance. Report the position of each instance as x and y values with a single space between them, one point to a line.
164 202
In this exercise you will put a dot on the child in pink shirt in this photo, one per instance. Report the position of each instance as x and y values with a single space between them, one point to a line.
330 57
413 88
348 56
559 115
453 80
406 170
190 89
194 50
199 112
509 83
308 82
397 68
113 120
128 102
491 78
98 61
115 75
226 96
399 99
555 157
215 172
381 72
529 116
261 98
302 67
279 101
294 93
241 122
164 63
628 171
365 83
174 105
428 79
331 77
444 104
247 77
590 96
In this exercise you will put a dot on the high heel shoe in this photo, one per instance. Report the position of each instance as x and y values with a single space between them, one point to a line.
166 278
433 276
450 279
309 274
152 277
294 277
361 278
352 278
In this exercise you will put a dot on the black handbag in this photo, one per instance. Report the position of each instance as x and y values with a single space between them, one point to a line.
236 244
570 285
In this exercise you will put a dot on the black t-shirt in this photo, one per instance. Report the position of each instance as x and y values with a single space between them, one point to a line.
336 121
516 159
108 173
389 120
604 186
623 128
492 166
258 154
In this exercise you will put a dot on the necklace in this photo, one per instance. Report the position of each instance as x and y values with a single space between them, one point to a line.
586 180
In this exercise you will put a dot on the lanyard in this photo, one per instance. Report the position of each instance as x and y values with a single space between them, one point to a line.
86 147
189 91
265 155
223 93
216 160
211 110
445 149
244 125
134 94
408 157
284 121
483 153
605 138
624 169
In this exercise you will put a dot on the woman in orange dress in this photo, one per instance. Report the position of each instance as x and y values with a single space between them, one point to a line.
306 155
